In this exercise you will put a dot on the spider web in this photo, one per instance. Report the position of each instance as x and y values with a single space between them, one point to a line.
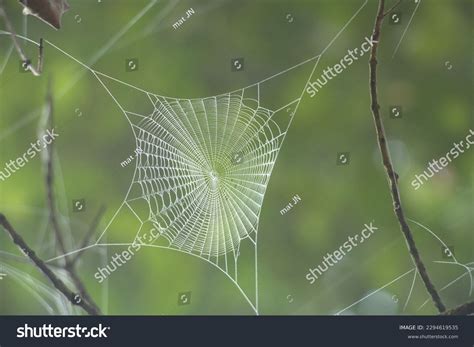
204 168
203 165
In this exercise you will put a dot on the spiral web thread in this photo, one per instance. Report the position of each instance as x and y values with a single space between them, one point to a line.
203 169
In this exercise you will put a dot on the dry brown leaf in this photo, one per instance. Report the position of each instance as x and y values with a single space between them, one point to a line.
49 11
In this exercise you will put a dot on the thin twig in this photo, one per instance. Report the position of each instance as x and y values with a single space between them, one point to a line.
462 310
49 177
393 7
71 262
40 55
81 288
387 162
40 264
27 63
92 230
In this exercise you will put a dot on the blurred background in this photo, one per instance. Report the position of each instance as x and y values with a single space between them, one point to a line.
425 68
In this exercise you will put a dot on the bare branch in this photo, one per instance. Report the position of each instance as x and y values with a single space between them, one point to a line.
74 298
92 230
462 310
387 162
27 63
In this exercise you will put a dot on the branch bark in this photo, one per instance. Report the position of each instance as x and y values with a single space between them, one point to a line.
389 168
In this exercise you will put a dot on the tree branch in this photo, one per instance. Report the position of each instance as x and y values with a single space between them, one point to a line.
27 63
462 310
74 298
387 162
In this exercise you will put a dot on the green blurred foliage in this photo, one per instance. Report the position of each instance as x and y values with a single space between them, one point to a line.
194 61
